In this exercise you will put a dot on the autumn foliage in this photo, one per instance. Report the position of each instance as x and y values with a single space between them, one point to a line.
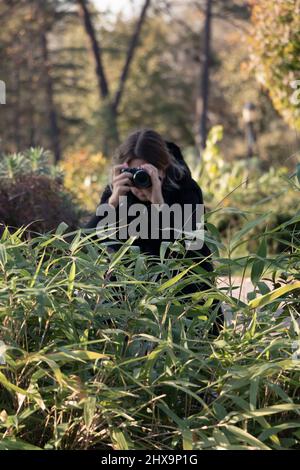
275 54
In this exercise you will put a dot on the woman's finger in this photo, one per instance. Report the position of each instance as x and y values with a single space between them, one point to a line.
117 168
151 168
122 178
153 172
126 174
124 189
126 183
122 185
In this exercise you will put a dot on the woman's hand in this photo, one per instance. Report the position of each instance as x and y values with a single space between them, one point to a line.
154 193
121 183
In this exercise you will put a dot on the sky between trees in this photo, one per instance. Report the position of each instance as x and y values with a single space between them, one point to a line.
127 7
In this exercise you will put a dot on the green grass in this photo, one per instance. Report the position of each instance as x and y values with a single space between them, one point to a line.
129 362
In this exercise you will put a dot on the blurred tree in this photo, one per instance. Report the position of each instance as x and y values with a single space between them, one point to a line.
205 72
275 54
110 103
48 72
161 90
54 130
210 11
232 81
32 70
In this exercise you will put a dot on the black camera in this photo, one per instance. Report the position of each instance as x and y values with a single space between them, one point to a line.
140 178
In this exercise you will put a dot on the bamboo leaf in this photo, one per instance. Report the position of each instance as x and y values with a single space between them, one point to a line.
89 411
259 263
119 440
16 444
273 295
71 279
246 437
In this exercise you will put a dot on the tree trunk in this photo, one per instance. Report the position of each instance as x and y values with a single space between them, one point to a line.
16 108
96 49
204 86
110 106
53 121
130 53
109 114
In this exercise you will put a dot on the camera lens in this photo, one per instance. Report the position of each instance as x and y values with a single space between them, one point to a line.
142 179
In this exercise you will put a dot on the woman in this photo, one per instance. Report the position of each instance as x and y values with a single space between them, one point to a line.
171 183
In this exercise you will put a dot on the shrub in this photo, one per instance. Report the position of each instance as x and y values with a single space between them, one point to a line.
88 362
275 42
244 191
101 350
32 193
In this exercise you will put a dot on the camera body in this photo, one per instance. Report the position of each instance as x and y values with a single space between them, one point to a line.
140 178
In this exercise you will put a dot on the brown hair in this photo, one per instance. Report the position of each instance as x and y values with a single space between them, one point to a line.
149 145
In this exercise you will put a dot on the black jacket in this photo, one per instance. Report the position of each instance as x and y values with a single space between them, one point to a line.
188 193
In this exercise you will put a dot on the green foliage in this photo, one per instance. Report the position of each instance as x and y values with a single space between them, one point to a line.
161 91
33 161
243 190
84 175
158 93
276 49
102 350
32 193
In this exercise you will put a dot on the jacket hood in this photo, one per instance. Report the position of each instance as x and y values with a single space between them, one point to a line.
176 152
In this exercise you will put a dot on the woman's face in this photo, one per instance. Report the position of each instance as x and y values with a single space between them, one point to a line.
140 193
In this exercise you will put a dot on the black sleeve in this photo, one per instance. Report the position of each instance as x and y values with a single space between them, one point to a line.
92 223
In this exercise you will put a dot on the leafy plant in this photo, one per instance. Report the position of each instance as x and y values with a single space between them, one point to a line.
243 191
275 42
32 193
102 350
